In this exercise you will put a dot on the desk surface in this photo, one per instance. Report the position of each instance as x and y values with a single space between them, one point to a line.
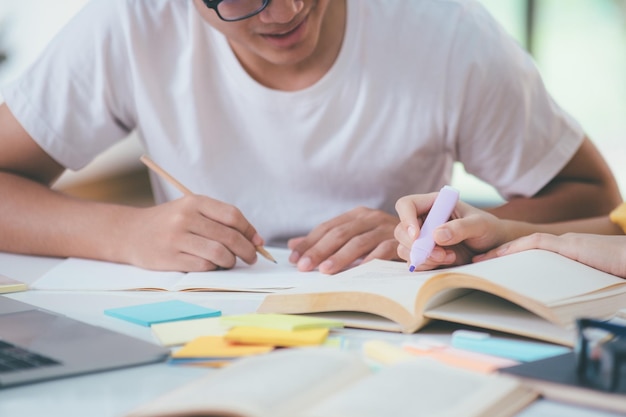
113 393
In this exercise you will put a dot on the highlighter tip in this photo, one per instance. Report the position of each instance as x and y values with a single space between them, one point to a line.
412 268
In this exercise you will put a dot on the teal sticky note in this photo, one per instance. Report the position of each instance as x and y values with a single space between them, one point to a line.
519 350
148 314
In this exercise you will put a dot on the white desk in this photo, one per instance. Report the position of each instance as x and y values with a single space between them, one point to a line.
113 393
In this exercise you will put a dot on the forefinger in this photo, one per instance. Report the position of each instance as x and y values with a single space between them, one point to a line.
303 245
227 215
412 207
227 224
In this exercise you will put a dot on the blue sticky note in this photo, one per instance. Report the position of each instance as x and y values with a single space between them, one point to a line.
174 310
519 350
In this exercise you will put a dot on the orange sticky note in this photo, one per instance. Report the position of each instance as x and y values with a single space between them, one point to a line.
457 357
276 337
217 347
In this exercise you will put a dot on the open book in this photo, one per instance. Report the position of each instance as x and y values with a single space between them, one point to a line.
90 275
535 293
318 382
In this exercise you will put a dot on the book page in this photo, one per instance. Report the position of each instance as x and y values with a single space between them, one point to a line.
491 312
263 276
542 282
359 320
384 288
91 275
544 276
426 388
278 384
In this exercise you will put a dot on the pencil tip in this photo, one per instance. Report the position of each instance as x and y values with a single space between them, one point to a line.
265 254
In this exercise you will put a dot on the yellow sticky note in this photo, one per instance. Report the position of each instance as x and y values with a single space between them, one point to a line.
183 331
217 347
384 352
10 285
281 321
276 337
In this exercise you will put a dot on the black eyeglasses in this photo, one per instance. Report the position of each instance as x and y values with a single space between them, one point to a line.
233 10
601 353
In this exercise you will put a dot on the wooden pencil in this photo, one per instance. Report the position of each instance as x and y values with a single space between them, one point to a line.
186 191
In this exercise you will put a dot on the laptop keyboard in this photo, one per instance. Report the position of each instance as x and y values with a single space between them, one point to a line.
14 358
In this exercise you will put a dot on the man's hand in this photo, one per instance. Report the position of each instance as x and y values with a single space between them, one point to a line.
360 234
193 233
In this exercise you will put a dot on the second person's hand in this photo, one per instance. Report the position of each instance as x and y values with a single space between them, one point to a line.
471 231
606 253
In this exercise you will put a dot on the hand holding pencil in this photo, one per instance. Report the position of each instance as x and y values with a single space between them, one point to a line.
185 191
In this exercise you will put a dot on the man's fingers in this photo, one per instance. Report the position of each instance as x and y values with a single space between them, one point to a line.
354 250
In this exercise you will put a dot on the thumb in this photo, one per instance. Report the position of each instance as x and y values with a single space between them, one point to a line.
456 231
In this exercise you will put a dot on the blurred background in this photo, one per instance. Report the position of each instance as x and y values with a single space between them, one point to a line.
578 45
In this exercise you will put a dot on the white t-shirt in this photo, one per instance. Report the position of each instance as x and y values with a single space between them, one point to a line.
417 85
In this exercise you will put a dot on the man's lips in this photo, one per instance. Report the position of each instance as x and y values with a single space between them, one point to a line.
291 35
285 32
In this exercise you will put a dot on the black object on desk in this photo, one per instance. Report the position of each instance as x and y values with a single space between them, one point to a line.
557 378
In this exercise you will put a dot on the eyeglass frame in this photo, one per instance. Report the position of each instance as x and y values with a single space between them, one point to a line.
213 4
616 353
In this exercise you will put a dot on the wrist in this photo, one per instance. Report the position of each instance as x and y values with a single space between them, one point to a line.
513 229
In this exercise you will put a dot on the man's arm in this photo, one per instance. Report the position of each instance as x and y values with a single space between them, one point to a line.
585 187
194 233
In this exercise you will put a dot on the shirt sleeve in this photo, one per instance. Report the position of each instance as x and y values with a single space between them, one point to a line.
509 130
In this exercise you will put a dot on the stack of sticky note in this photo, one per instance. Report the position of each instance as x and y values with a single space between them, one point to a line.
517 350
162 312
214 351
243 335
475 351
178 333
10 285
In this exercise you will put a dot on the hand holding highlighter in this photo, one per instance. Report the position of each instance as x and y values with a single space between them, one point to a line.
439 214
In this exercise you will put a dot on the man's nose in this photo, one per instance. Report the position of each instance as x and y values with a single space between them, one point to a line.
281 11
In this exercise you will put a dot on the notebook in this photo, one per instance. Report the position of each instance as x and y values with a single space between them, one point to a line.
37 345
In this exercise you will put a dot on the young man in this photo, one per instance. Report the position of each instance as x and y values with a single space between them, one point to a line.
474 235
292 120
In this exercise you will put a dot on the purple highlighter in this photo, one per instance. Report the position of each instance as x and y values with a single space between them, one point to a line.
439 214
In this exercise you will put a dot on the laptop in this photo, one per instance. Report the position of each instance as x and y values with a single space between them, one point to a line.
38 345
